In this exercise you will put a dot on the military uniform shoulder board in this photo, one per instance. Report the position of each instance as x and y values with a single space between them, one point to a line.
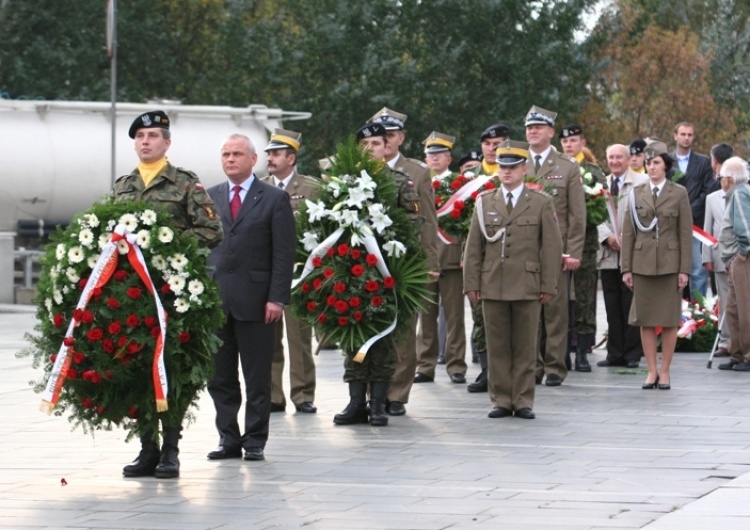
418 162
486 192
569 159
400 171
539 192
118 179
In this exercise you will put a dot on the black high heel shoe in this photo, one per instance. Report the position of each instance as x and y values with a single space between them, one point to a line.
664 386
651 386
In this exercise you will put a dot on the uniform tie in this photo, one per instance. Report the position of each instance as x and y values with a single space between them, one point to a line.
235 203
537 163
656 194
614 188
510 203
281 184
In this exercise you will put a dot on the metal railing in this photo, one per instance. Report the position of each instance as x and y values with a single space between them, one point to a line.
27 259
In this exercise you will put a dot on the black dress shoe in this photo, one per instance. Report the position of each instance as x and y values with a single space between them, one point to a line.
553 380
421 378
308 407
632 364
395 408
500 412
222 453
650 386
605 363
459 379
729 365
480 384
276 407
525 413
144 465
741 367
254 453
441 360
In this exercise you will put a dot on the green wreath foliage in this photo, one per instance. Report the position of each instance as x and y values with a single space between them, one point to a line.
109 382
345 297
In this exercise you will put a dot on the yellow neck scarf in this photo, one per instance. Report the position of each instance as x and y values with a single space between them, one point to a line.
489 169
149 171
579 158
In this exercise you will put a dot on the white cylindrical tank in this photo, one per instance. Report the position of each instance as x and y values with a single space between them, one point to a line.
55 156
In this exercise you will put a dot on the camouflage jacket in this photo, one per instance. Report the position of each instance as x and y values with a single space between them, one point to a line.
180 193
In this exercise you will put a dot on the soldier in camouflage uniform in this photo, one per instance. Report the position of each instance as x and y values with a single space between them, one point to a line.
493 137
180 193
585 278
380 363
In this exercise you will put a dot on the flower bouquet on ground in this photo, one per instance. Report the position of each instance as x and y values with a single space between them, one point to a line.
700 324
596 199
126 320
365 273
454 199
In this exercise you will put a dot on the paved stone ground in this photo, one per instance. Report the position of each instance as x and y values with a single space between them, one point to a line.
602 454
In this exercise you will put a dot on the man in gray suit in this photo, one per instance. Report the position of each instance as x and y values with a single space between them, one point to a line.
253 268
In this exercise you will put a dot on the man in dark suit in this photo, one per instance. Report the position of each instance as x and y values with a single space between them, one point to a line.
697 177
253 268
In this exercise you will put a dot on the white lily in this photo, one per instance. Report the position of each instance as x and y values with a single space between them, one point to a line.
309 240
394 248
315 210
350 218
335 188
366 182
378 218
357 197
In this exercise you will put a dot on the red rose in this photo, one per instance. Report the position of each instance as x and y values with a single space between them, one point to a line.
371 286
435 184
341 306
121 275
358 270
134 347
459 205
87 317
377 301
114 328
68 341
132 412
132 321
455 214
317 261
489 185
354 302
317 283
330 252
183 337
82 283
86 375
100 409
438 202
72 374
305 287
331 300
108 374
53 357
328 272
339 287
58 320
357 315
343 249
165 289
356 253
122 341
311 306
150 322
78 357
87 403
77 314
371 260
155 331
456 184
96 292
134 293
389 282
95 334
474 195
343 321
92 376
113 303
462 179
322 318
108 346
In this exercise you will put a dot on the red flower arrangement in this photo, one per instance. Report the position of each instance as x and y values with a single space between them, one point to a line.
457 221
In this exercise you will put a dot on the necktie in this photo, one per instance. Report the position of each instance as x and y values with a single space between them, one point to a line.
281 184
656 194
614 188
510 202
537 163
236 202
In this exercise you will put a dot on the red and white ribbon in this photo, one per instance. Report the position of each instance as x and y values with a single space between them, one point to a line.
463 193
704 237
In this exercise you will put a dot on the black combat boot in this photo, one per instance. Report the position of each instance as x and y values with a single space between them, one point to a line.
355 411
169 464
480 384
146 461
378 391
585 342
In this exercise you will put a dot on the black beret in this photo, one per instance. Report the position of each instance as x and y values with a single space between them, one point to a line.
156 118
638 146
571 130
470 156
499 130
371 129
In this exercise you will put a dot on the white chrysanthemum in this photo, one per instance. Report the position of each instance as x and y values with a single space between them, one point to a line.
65 289
178 261
181 305
309 240
75 255
395 248
148 217
72 275
194 298
315 210
86 237
122 247
111 225
48 304
91 261
166 235
54 271
130 222
143 238
196 287
103 240
60 251
159 263
177 284
57 296
90 220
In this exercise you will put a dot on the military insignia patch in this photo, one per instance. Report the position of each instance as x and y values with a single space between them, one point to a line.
210 212
199 186
146 119
415 206
553 177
